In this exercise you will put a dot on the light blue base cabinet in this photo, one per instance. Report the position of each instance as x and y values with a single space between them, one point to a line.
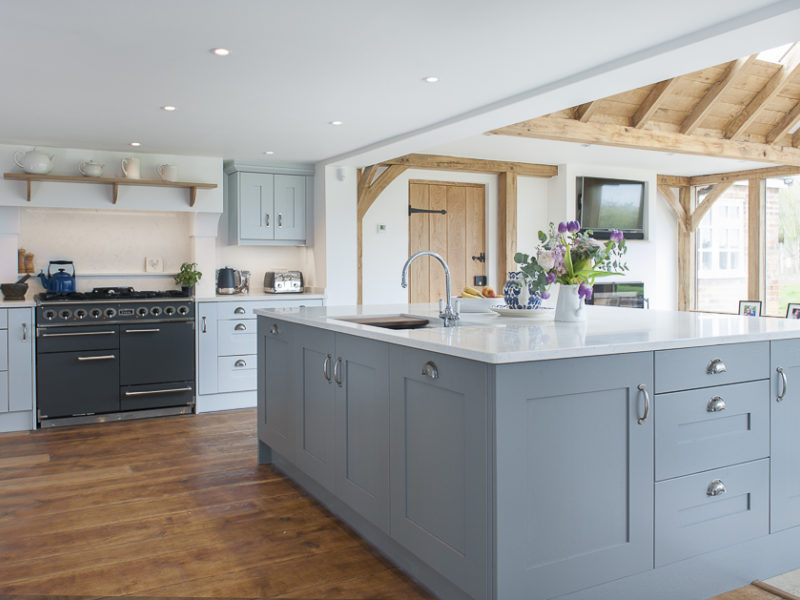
566 479
16 369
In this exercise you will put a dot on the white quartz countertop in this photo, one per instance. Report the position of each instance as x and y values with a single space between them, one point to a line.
30 300
261 296
491 338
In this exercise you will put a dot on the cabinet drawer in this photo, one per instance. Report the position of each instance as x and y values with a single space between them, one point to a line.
711 427
689 520
237 373
3 319
236 337
245 310
3 350
688 368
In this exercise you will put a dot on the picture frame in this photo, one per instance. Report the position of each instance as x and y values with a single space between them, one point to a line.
750 308
793 310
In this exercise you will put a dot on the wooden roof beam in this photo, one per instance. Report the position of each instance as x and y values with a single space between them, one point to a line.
773 87
584 112
654 99
702 108
733 176
606 134
788 121
673 180
474 165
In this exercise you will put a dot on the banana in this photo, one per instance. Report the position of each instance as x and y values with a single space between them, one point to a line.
469 292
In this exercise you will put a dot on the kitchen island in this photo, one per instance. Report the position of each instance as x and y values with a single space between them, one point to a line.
640 454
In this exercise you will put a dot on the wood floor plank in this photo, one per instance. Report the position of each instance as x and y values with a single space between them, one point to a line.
22 462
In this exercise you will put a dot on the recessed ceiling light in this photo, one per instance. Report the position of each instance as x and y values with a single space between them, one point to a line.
269 152
336 123
220 51
168 108
136 144
430 79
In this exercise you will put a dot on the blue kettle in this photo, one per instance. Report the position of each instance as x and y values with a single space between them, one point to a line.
59 282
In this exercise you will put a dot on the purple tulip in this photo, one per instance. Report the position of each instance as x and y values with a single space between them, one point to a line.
545 295
585 291
550 277
573 226
562 228
616 236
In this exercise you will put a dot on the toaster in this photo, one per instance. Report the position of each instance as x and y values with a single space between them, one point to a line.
283 282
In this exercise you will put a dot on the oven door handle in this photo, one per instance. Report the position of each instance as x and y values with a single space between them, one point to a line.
151 392
142 330
78 333
102 357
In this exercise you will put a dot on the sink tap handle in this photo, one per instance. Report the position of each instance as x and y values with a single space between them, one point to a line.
441 305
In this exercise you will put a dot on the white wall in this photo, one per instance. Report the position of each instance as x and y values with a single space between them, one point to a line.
336 235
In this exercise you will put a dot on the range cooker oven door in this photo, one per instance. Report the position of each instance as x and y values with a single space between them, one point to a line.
77 371
157 368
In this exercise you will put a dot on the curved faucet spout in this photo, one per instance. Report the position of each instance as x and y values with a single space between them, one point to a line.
448 314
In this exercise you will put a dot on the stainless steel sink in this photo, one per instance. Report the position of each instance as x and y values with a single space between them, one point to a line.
391 321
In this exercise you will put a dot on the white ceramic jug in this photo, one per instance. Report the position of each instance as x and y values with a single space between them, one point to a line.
34 161
131 167
167 172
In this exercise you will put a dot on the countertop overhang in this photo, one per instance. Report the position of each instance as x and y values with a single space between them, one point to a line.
490 338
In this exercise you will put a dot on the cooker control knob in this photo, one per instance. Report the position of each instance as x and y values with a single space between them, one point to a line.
95 313
65 313
80 314
169 310
155 311
110 312
49 315
141 311
183 310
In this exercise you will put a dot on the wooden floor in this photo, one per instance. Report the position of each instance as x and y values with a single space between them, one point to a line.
171 507
177 507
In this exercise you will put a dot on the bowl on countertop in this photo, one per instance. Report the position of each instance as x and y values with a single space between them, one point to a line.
478 305
14 291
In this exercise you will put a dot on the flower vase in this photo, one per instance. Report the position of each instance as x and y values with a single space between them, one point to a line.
569 307
518 292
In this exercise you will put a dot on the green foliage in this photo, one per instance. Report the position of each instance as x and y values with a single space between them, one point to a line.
188 276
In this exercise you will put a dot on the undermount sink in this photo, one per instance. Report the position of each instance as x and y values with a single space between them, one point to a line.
391 321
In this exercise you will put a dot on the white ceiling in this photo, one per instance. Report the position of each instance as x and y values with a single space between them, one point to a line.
94 73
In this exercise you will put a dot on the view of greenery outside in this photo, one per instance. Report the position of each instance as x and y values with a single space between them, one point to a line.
782 241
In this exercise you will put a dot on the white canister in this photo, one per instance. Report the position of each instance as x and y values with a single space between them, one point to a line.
131 168
167 172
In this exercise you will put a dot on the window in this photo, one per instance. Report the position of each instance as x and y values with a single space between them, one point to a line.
721 240
781 244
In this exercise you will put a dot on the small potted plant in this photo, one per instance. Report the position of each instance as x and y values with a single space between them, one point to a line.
187 277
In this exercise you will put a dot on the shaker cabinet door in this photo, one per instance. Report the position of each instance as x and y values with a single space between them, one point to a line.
256 205
290 207
276 385
785 442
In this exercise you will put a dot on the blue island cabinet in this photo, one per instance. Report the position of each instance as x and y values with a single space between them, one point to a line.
574 480
785 438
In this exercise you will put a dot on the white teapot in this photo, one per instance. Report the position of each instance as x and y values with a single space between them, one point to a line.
90 168
34 161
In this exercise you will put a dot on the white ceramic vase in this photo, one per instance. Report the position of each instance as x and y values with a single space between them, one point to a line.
569 307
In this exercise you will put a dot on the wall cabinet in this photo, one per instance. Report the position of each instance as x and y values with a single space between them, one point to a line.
226 350
268 208
16 369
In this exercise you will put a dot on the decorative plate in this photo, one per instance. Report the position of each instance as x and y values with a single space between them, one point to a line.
532 313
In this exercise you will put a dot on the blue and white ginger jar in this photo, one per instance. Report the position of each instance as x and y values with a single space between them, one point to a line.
518 292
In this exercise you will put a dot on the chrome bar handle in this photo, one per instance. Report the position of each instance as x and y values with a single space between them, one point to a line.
78 333
643 388
205 325
716 404
142 330
337 366
240 327
326 365
152 392
280 220
24 332
267 218
715 488
103 357
785 382
715 367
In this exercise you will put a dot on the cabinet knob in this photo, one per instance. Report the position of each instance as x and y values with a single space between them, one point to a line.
240 363
716 366
240 327
785 382
429 369
716 404
715 488
239 310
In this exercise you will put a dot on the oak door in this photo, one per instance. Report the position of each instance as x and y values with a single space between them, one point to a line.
458 235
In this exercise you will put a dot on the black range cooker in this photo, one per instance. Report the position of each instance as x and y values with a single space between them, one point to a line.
112 354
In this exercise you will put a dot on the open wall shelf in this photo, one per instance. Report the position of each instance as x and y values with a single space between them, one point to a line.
115 182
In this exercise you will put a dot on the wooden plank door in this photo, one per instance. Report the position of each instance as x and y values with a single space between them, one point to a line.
458 236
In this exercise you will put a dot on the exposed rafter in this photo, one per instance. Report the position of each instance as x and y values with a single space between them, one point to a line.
702 108
730 176
788 121
473 165
773 87
584 112
651 104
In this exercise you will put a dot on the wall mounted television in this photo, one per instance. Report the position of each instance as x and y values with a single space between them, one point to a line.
606 204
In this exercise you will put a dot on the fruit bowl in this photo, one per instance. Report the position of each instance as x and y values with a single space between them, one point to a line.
477 305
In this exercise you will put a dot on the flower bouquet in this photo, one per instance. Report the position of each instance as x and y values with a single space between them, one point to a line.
572 258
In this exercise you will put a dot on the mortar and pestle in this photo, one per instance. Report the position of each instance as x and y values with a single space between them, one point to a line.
15 291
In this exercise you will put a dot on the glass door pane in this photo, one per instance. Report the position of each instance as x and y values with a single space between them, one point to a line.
782 244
